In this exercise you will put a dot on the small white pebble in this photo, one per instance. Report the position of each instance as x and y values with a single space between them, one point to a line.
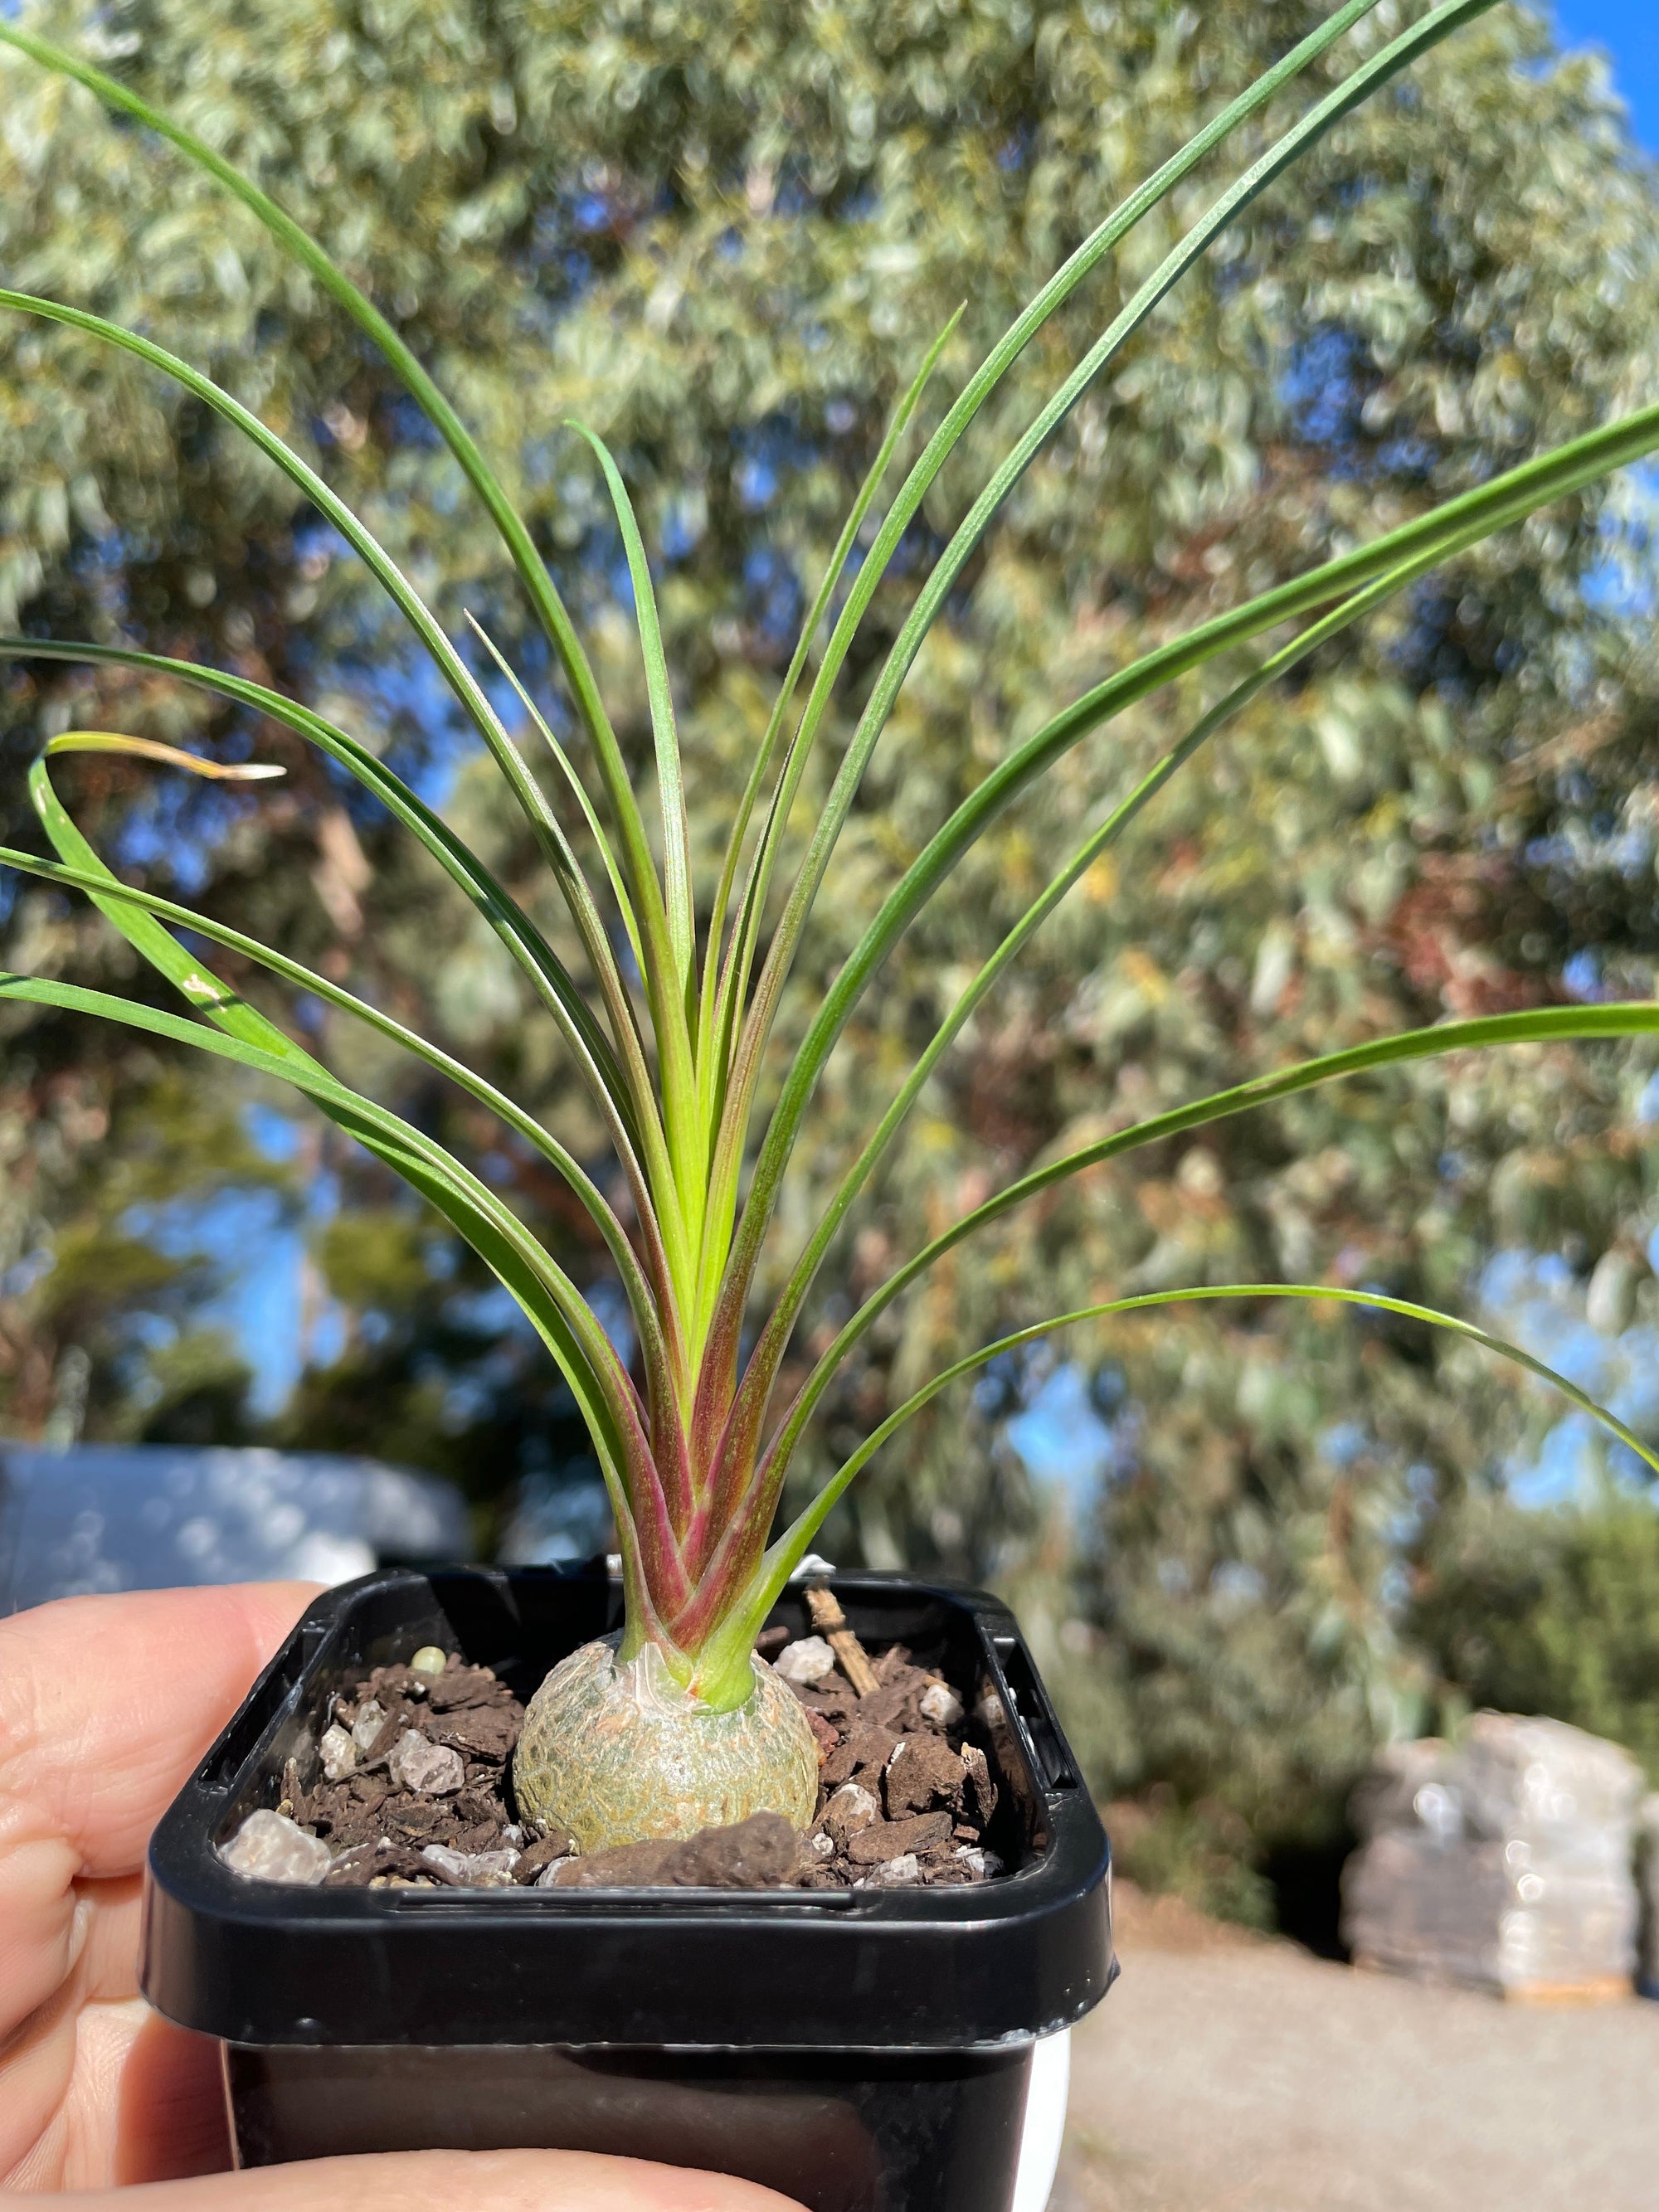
822 1846
433 1769
338 1752
270 1847
893 1873
370 1720
979 1862
512 1836
941 1705
808 1660
430 1659
473 1870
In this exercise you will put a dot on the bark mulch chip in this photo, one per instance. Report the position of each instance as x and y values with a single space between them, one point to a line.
884 1840
759 1853
903 1797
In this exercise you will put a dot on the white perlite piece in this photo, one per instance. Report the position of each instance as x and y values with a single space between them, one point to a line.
270 1847
432 1769
369 1723
472 1870
978 1863
822 1846
893 1873
940 1705
338 1752
808 1660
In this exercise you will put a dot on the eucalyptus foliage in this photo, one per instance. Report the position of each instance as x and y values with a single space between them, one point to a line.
1548 1612
688 929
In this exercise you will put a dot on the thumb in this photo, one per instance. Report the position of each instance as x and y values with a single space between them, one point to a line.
440 2180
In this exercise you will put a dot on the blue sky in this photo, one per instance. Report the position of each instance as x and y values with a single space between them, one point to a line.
1629 30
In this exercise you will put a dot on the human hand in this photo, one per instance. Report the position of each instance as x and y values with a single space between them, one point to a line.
106 1704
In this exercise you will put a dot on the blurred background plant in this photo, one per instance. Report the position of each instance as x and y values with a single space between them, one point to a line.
1247 1548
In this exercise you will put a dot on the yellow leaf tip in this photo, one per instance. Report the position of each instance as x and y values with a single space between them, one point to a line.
115 741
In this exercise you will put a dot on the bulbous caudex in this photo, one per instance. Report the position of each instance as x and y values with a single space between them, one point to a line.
618 1752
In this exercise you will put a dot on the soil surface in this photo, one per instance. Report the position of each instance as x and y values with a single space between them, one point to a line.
410 1785
1232 2073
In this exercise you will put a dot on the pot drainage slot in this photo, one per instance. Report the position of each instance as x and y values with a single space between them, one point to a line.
1054 1769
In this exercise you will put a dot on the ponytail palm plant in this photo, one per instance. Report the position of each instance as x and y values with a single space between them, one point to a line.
672 1024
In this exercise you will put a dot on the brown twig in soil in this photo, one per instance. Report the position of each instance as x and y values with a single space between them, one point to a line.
853 1659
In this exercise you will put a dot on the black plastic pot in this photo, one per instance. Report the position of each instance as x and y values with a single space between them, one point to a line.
863 2050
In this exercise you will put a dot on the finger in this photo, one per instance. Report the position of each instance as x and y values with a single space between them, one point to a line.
440 2180
106 1703
92 2094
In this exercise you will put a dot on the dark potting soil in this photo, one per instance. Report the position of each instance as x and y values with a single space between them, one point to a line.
413 1788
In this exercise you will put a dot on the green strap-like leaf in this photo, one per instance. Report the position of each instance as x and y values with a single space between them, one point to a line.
531 799
1052 295
304 249
655 1318
291 1065
647 1467
786 1554
521 1284
579 789
1358 88
132 914
1535 1025
670 921
196 982
1401 554
659 1201
108 892
552 981
550 1300
761 1373
357 535
739 1070
1408 47
722 1002
670 786
205 991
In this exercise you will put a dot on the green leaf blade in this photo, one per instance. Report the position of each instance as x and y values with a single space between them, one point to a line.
671 782
1540 1025
786 1553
